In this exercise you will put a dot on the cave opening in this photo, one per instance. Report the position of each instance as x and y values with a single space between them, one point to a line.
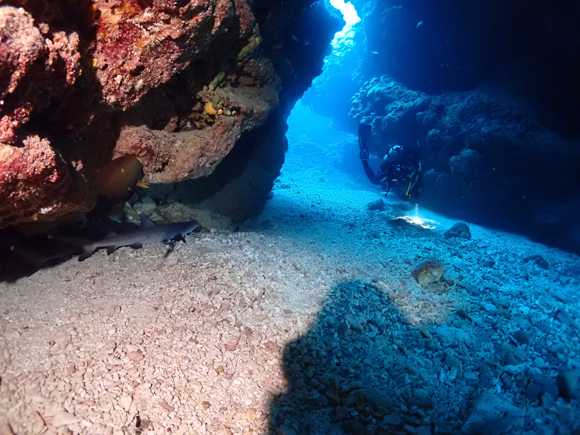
318 149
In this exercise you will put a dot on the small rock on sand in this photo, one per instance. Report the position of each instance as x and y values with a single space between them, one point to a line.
135 356
378 205
568 383
428 272
125 402
64 418
459 230
232 344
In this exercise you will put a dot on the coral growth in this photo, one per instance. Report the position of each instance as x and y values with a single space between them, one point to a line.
37 184
175 83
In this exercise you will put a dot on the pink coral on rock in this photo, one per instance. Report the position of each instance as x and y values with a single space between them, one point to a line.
96 79
140 47
22 45
37 184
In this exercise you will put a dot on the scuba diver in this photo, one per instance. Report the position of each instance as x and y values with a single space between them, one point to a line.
400 166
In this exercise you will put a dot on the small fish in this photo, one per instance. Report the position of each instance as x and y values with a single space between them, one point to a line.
294 38
116 183
419 24
147 233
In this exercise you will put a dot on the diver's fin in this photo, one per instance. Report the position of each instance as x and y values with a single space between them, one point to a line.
145 221
364 135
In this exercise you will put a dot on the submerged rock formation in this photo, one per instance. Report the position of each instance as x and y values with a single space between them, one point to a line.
530 48
487 159
175 83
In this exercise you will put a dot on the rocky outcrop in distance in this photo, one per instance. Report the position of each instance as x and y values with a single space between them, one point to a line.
486 157
175 83
529 48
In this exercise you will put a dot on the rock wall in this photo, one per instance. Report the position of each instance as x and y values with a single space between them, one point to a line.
176 83
486 157
530 47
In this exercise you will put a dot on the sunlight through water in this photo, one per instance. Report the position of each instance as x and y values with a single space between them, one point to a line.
349 14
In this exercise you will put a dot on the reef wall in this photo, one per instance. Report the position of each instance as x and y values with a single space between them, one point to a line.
486 158
531 48
177 83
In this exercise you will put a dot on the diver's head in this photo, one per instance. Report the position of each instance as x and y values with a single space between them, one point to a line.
400 164
395 152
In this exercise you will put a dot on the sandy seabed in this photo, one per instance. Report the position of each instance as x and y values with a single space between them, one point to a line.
306 321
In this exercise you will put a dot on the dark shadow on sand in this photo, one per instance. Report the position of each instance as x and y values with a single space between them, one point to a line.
350 373
362 368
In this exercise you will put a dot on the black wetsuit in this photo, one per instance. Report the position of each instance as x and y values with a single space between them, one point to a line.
400 166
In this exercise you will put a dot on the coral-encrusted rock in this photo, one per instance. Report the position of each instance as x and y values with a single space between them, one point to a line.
33 68
239 186
459 230
21 46
37 184
451 46
428 272
173 156
141 45
485 157
199 151
177 83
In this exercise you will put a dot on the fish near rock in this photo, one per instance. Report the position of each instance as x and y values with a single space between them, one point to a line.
117 182
428 272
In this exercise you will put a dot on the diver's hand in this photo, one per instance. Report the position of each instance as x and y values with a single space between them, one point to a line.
364 154
413 197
